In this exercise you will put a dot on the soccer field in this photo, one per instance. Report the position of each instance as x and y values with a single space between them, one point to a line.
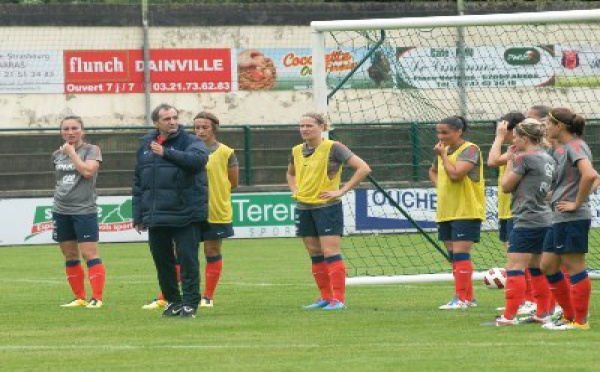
258 323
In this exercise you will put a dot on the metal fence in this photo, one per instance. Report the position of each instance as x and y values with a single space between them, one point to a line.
399 153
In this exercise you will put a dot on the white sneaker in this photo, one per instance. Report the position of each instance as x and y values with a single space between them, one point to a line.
557 313
455 304
528 308
502 321
206 302
558 325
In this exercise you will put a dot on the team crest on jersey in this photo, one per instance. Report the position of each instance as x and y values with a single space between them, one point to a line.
68 179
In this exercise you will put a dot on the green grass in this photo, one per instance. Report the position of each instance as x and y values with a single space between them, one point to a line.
257 322
577 81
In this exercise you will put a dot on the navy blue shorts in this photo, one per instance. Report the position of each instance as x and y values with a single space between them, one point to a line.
320 222
569 237
459 230
505 226
549 240
79 227
217 231
527 240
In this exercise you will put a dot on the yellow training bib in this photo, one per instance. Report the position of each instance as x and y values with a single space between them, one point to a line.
311 174
460 200
503 197
219 186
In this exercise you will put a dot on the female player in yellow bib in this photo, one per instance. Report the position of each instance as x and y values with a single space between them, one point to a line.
458 174
223 174
497 159
314 175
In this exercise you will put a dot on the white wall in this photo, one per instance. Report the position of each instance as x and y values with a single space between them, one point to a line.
33 110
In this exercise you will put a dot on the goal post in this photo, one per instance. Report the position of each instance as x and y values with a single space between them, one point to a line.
404 75
571 16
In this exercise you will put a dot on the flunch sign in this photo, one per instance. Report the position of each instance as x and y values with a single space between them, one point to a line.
122 71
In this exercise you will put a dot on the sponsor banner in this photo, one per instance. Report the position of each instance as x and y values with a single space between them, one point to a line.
171 71
580 65
31 71
291 68
226 70
256 210
29 221
256 215
375 213
484 66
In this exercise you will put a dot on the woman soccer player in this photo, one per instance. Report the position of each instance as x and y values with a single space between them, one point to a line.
314 176
458 174
223 174
75 212
567 242
504 134
529 179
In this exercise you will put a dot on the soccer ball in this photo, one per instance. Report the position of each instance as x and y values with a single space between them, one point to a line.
495 278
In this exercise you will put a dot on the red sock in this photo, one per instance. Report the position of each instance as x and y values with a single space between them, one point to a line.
470 291
321 274
212 271
453 273
97 277
76 278
562 294
463 279
580 296
541 294
337 277
514 292
528 288
552 301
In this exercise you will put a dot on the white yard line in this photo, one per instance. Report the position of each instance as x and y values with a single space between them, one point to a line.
408 345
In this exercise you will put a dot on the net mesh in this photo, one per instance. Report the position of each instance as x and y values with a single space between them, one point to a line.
410 79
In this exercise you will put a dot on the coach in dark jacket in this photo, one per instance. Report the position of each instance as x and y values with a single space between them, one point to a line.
170 200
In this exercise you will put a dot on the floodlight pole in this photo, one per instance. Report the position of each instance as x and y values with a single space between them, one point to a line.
460 56
319 72
146 46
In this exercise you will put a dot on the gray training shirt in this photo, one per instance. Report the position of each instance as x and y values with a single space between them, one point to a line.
75 194
529 206
231 162
471 155
568 179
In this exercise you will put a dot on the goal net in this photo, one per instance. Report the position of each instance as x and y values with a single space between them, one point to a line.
409 73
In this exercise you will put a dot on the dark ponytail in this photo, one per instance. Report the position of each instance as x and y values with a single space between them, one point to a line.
513 118
456 122
574 123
